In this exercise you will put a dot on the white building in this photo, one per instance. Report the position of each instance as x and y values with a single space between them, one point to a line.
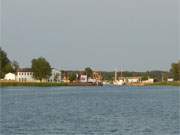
25 75
170 79
55 76
90 80
10 76
133 79
83 78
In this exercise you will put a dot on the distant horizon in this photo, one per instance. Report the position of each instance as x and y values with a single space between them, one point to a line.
104 35
80 69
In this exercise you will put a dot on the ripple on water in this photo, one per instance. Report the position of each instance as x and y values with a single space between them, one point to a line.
79 111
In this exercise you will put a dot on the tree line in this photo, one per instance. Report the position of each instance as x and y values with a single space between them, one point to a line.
157 75
41 69
175 70
40 66
174 73
6 65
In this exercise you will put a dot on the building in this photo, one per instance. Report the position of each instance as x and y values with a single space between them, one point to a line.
10 76
97 76
83 78
170 79
91 80
132 79
25 75
55 76
65 77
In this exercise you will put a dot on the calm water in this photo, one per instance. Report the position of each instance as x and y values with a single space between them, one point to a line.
90 111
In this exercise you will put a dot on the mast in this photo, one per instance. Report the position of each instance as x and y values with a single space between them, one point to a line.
115 78
121 73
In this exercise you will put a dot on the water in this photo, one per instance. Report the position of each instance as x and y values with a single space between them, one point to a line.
90 111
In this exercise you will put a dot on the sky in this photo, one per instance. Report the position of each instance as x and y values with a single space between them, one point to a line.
134 35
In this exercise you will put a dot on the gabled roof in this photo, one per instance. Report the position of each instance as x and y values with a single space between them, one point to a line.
10 73
24 70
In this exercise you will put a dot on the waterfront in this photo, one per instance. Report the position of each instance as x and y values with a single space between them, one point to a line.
90 110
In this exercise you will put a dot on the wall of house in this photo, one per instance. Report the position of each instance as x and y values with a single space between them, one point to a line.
133 80
10 76
25 77
83 78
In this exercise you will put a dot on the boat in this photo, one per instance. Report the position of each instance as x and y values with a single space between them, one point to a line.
117 82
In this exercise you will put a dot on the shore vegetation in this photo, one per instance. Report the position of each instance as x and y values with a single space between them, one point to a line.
175 83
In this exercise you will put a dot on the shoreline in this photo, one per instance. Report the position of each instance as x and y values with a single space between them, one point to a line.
43 84
177 84
61 84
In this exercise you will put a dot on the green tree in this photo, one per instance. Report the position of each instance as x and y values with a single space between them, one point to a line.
144 78
175 69
15 65
165 77
89 72
41 68
8 68
72 77
5 64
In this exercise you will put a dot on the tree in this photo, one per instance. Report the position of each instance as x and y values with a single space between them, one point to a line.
15 65
144 78
89 72
41 68
5 64
72 77
175 70
8 68
164 77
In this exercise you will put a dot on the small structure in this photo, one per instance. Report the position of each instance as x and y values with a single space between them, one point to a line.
133 79
83 78
97 76
55 76
10 76
170 79
91 80
25 75
65 76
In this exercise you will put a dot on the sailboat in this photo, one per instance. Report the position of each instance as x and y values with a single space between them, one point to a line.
118 82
